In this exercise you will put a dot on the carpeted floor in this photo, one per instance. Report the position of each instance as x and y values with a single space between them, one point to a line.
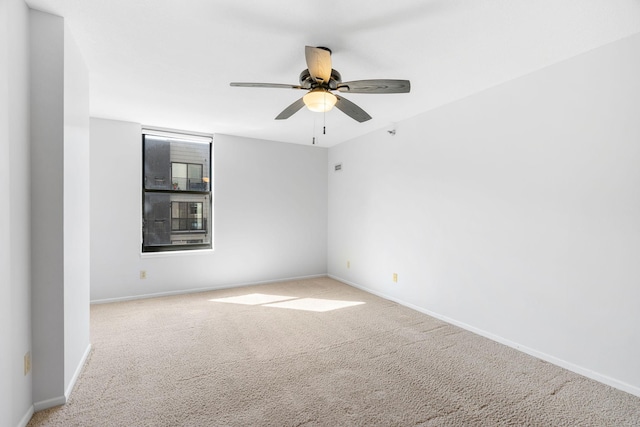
267 359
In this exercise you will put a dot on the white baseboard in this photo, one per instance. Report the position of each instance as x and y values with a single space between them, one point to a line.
27 417
196 290
77 372
49 403
61 400
620 385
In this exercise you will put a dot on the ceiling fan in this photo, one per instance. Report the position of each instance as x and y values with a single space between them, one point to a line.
320 80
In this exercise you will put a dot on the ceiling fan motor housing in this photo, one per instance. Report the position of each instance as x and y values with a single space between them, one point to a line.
307 82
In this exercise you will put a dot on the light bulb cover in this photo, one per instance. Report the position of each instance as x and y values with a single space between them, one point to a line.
319 100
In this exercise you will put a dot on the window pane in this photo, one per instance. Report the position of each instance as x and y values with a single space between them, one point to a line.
183 210
156 164
179 176
179 170
195 177
176 194
195 172
187 216
156 219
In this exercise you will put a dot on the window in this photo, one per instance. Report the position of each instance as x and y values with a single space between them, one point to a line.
187 176
176 192
187 216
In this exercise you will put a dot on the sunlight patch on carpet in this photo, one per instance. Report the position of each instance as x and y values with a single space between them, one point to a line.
253 299
314 304
294 303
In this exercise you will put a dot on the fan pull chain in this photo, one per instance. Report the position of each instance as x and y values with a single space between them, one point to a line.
324 122
313 140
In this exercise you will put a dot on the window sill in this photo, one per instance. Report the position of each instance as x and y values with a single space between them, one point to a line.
166 254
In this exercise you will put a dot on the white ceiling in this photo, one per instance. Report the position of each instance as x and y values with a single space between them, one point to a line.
168 63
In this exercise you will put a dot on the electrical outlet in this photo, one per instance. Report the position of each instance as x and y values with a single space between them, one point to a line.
27 362
348 264
143 274
395 277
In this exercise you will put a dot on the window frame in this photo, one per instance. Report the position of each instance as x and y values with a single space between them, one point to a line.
206 217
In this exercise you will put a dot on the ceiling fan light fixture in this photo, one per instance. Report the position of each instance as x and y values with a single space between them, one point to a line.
320 79
319 100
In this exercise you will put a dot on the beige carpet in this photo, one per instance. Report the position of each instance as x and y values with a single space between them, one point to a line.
189 361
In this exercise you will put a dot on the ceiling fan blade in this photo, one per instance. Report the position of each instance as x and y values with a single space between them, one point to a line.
291 110
272 85
376 86
352 110
318 63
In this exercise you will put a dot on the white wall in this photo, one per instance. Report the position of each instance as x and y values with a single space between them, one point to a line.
270 216
47 233
15 312
76 211
514 212
59 227
5 245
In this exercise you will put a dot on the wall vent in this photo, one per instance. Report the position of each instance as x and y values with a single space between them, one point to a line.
337 167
